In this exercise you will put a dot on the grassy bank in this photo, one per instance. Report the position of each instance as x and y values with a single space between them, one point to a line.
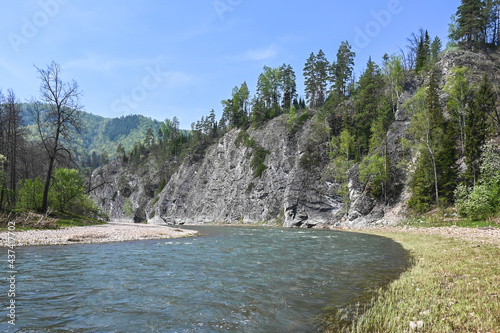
24 220
453 286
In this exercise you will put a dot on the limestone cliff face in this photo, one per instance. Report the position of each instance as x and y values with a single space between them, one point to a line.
221 187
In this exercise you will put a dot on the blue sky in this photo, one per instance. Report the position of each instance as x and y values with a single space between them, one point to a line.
181 58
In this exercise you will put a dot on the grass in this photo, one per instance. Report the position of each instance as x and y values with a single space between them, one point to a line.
453 286
25 220
448 218
64 220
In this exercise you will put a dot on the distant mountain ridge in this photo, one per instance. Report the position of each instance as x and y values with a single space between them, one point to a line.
103 135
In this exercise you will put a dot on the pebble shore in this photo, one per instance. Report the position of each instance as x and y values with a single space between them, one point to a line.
473 235
105 233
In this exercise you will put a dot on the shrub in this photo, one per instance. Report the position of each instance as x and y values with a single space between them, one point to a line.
482 200
30 194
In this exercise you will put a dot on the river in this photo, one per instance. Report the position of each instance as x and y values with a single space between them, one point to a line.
231 279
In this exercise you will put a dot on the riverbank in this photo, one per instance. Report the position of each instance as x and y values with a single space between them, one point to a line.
452 286
104 233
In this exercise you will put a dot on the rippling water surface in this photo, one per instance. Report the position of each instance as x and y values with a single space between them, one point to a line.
230 279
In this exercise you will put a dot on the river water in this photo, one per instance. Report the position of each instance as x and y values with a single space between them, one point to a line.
232 279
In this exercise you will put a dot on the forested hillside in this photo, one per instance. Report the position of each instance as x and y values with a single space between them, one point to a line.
100 137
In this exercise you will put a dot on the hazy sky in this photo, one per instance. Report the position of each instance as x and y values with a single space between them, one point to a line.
181 58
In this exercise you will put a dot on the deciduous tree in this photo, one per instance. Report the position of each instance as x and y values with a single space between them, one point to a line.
57 117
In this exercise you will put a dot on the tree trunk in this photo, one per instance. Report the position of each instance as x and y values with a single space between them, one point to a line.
45 204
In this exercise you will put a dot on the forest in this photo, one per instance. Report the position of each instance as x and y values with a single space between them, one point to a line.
48 148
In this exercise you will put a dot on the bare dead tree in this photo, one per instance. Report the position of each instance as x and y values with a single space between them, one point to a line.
57 116
15 133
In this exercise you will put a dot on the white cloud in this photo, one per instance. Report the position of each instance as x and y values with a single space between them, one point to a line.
259 54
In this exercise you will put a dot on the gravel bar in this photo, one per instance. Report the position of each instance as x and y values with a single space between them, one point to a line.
104 233
473 235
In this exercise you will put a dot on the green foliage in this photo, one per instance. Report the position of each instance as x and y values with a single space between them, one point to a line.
395 76
30 194
309 161
479 203
423 52
295 122
128 209
341 70
373 170
471 24
435 142
67 185
340 150
422 185
257 163
460 93
483 199
258 152
316 78
106 134
367 105
236 109
66 194
476 127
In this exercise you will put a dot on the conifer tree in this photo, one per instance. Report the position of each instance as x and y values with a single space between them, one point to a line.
471 23
289 86
428 130
341 69
423 52
321 67
310 80
370 90
476 127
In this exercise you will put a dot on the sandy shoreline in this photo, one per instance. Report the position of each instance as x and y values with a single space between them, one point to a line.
105 233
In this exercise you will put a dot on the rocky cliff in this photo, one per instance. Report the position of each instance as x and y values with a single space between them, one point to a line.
223 187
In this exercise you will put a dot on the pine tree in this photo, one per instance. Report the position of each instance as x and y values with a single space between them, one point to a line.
289 86
446 164
321 68
428 127
435 49
370 90
471 23
423 53
310 80
476 127
341 70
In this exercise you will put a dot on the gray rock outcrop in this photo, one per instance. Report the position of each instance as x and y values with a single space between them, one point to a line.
221 186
